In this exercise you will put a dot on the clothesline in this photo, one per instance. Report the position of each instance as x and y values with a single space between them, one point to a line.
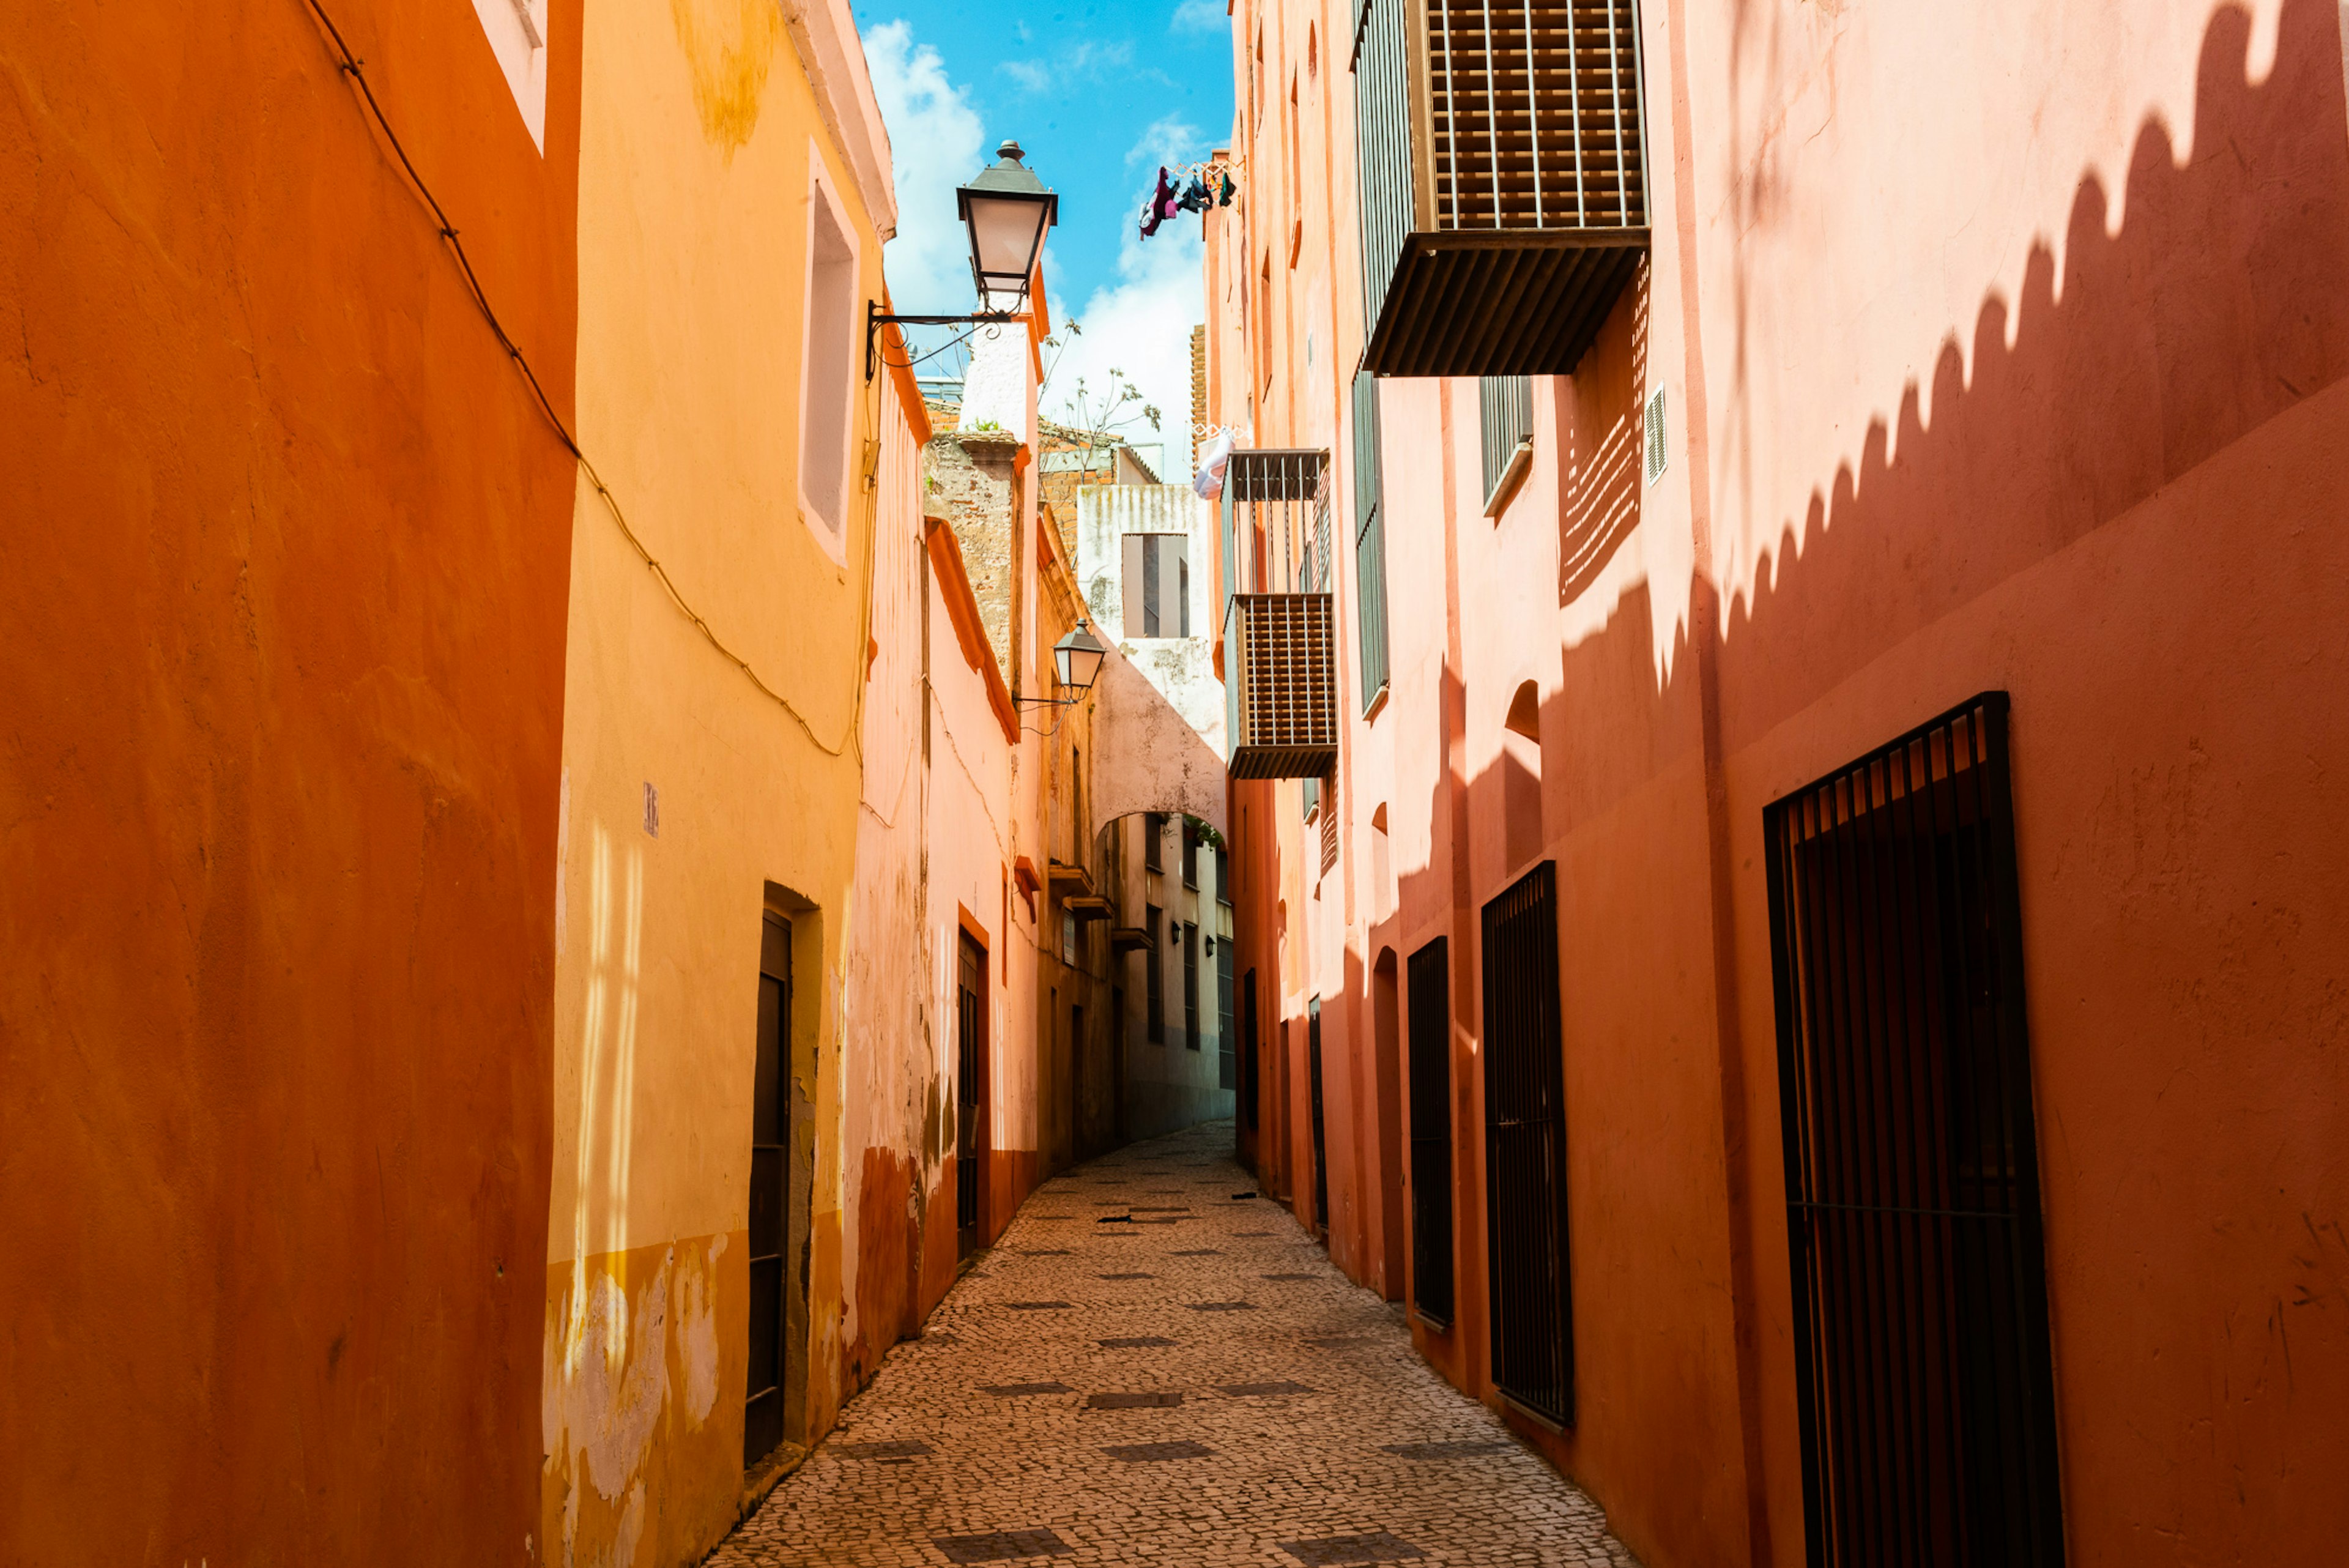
1209 185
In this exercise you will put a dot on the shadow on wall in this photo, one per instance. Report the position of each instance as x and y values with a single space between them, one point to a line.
2221 304
2223 301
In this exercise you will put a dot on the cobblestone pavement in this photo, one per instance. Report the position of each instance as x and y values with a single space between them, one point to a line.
1192 1384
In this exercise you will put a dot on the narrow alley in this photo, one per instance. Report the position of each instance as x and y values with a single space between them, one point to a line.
1284 783
1156 1365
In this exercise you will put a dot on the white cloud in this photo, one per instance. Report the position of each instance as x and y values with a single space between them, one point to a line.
935 142
1199 16
1033 75
1141 323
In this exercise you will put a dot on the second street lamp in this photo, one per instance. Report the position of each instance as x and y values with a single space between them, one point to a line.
1006 211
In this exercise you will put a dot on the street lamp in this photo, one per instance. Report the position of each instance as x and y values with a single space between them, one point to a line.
1005 209
1077 661
1077 658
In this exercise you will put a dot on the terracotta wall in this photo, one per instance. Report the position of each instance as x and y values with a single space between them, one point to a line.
289 548
2004 349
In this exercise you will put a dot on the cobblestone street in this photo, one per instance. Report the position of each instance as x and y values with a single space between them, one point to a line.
1146 1369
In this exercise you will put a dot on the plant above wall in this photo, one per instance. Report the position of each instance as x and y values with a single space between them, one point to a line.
1204 832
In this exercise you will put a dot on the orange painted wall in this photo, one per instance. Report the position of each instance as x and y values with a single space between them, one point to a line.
288 546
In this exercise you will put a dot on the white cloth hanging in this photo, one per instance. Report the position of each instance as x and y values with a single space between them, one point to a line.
1209 481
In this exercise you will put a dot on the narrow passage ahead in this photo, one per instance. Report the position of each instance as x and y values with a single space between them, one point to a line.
1192 1384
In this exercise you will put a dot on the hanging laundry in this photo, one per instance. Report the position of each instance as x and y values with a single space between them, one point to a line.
1230 190
1196 198
1156 211
1209 483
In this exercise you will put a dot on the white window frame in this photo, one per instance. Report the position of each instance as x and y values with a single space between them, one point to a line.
823 196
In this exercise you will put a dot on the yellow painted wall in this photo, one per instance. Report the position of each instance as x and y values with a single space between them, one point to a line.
700 135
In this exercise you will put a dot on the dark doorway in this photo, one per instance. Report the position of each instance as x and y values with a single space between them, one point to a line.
1529 1264
1079 1143
1923 1369
1117 1032
970 1098
770 1121
1429 979
1251 1073
1320 1134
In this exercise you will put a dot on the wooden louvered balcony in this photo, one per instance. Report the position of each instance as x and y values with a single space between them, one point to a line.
1280 663
1280 659
1504 181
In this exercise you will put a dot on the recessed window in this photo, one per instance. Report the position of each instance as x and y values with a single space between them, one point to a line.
1158 584
826 378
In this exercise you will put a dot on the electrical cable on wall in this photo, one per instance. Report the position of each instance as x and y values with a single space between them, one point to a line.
351 65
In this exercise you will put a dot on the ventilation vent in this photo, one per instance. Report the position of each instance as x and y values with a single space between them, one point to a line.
1656 448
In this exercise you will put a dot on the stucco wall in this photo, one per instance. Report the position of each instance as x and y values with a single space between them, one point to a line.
289 543
696 181
2002 348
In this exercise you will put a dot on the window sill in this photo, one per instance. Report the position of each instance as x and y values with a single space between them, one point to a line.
1511 477
1376 704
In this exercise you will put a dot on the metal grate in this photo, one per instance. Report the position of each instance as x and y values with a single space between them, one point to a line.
1369 540
1525 1151
1535 114
1923 1369
1504 407
1429 977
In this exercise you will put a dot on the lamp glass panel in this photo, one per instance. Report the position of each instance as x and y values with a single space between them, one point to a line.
1003 232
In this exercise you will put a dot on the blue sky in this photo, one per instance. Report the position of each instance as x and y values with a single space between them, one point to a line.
1099 95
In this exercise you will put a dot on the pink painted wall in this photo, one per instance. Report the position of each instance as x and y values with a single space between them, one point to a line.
2003 348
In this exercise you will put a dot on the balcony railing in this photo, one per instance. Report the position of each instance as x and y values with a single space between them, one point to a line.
1281 669
1504 178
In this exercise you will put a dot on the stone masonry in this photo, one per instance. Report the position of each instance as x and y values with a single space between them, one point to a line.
1149 1368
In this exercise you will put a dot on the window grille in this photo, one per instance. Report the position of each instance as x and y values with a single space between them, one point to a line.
1923 1378
1429 979
1528 1260
1505 406
1369 540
